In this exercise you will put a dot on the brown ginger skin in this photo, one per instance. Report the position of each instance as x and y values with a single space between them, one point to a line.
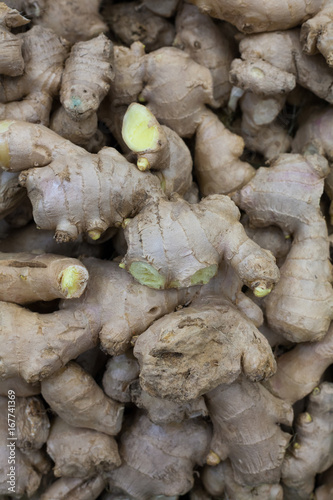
29 97
28 277
12 62
80 97
61 336
75 488
28 146
312 450
300 370
246 420
164 8
199 250
133 22
272 63
78 400
205 42
287 194
325 490
159 459
193 350
32 424
79 452
120 371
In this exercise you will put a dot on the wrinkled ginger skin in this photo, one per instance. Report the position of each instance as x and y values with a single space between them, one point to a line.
194 239
75 20
32 424
78 400
80 97
11 61
28 277
79 452
272 63
312 450
159 459
29 97
204 41
246 420
287 194
300 369
254 17
193 350
74 488
69 173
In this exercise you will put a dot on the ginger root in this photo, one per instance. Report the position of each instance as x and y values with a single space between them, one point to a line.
11 61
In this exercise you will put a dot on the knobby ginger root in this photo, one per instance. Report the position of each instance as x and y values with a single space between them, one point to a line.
220 479
175 244
120 372
206 43
61 336
159 459
80 97
299 370
29 97
12 62
79 452
78 400
312 450
287 194
245 419
74 488
162 411
272 63
133 22
193 350
158 148
28 277
32 424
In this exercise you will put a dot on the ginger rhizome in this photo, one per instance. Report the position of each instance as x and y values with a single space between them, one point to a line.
245 420
12 62
287 194
29 277
29 96
80 97
312 450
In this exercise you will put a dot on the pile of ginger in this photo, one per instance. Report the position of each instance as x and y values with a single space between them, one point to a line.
173 156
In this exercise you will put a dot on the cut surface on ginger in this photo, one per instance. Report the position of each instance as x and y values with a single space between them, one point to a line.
73 280
203 276
147 275
140 129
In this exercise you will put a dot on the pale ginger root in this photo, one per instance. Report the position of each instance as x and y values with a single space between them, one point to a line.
158 148
222 172
325 490
287 194
11 61
75 20
80 97
159 459
65 175
312 449
162 411
74 488
11 193
79 452
193 350
27 277
28 478
29 97
61 336
78 400
272 63
120 371
246 420
205 42
300 370
133 22
32 424
219 479
260 131
254 17
175 244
